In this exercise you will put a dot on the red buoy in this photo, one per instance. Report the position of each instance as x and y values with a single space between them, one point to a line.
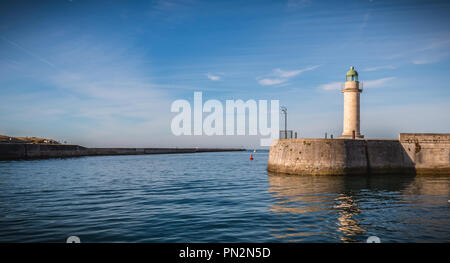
251 156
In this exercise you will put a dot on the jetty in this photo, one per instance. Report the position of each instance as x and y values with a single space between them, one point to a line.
21 151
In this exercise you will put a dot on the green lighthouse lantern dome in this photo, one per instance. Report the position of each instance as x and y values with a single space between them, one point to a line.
352 74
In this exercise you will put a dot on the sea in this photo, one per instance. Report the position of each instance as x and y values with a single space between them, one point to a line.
213 197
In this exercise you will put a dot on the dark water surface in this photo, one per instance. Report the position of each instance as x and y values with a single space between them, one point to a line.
212 197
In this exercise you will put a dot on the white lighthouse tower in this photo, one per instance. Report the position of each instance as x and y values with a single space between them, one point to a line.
351 128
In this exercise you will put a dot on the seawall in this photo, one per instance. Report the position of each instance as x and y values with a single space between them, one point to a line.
430 152
18 151
411 154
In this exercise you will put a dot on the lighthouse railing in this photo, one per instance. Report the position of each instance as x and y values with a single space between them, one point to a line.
361 85
286 134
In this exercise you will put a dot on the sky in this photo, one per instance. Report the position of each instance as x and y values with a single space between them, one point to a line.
105 73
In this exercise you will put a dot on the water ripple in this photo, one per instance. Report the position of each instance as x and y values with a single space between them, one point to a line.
212 197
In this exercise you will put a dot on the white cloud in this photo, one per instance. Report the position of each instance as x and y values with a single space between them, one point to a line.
270 82
213 77
279 76
331 86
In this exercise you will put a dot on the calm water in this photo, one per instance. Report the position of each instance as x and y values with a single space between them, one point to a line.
212 197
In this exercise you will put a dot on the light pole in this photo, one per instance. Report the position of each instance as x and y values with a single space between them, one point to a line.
284 110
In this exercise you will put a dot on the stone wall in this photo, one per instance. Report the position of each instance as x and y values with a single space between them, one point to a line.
387 157
317 156
14 151
430 152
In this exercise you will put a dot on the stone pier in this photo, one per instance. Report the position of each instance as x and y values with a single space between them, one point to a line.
19 151
410 154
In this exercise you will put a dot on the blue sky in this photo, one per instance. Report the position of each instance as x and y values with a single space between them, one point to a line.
104 73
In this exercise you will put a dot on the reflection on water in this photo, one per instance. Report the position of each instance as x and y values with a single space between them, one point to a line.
351 208
348 209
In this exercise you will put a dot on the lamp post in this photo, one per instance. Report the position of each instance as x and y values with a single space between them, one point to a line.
284 111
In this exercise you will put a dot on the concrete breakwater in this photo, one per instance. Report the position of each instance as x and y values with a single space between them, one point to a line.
411 153
17 151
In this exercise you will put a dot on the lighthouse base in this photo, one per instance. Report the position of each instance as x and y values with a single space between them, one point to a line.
346 136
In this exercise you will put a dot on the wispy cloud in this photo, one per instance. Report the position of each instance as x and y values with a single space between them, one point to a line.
171 11
423 61
96 92
331 86
379 68
426 53
293 73
365 20
441 43
28 52
376 83
295 4
213 77
279 76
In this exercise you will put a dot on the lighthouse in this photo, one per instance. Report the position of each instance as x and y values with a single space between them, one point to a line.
351 90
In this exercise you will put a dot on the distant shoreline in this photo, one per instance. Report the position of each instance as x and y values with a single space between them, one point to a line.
24 151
